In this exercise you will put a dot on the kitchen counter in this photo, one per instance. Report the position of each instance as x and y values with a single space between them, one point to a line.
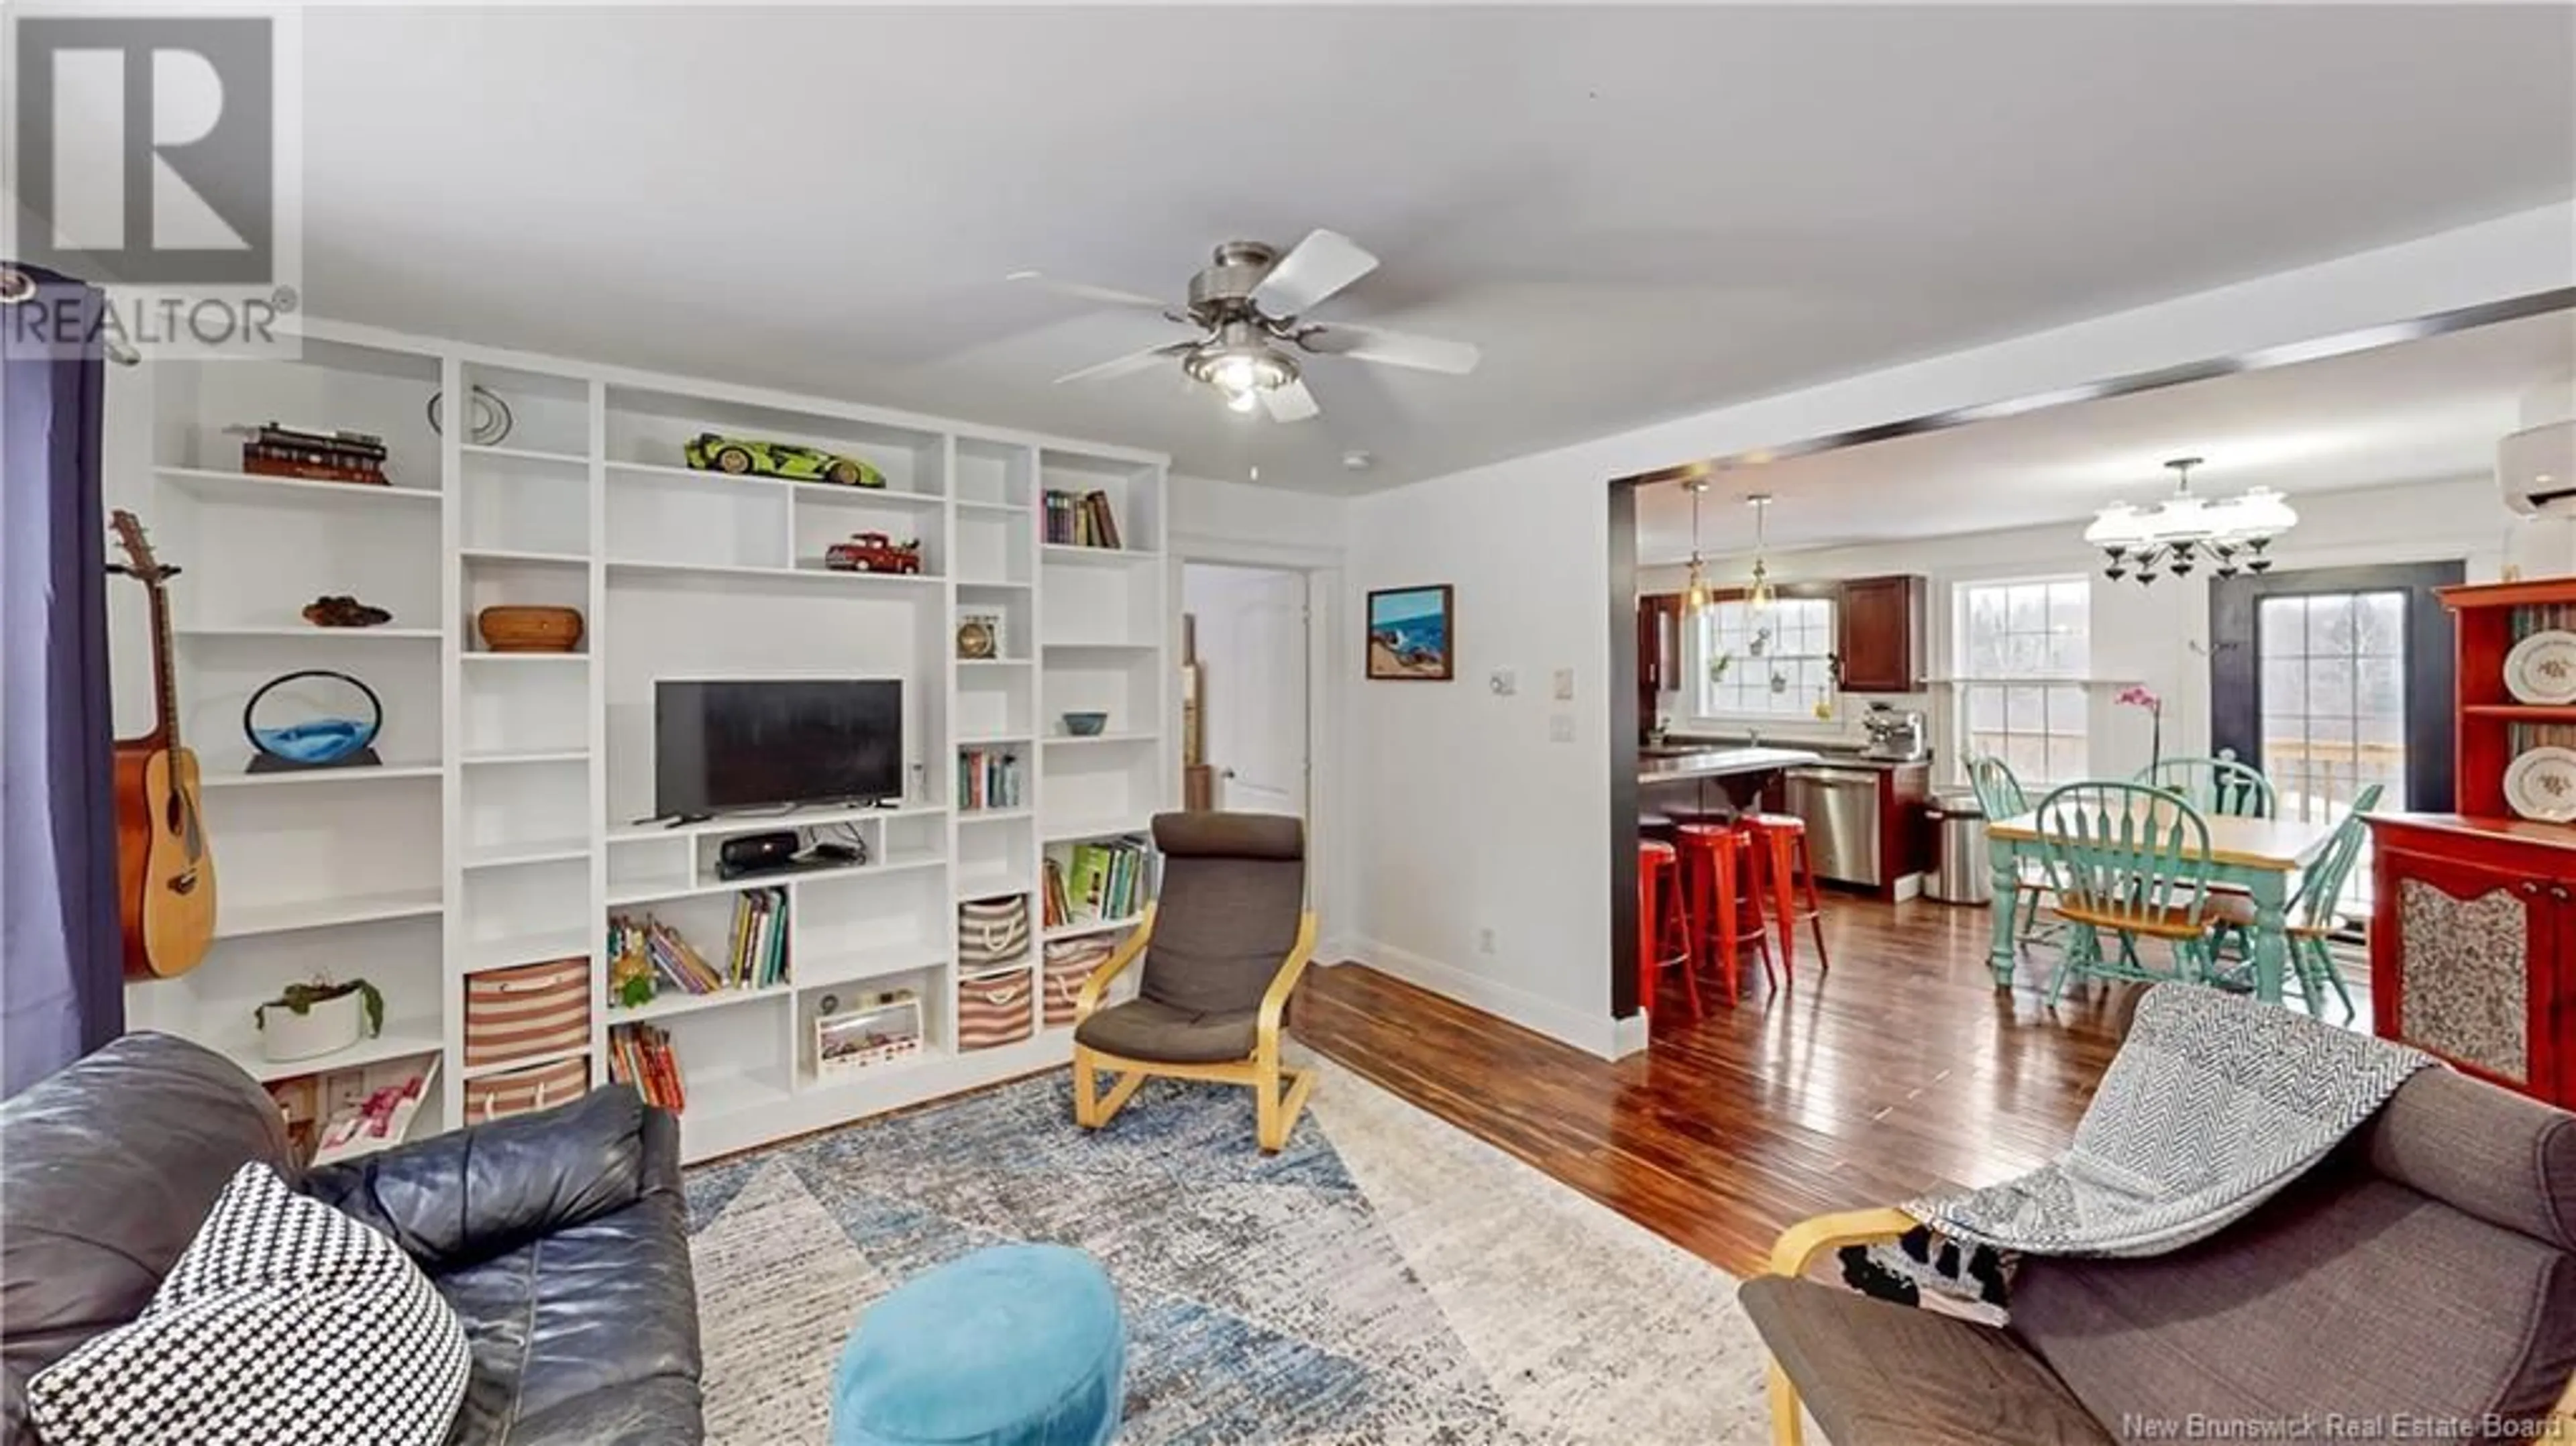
1837 754
1723 763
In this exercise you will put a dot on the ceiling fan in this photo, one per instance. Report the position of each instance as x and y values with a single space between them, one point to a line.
1250 308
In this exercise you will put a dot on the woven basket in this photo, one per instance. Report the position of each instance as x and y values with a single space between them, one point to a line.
520 1091
992 931
1069 965
526 1011
529 628
993 1009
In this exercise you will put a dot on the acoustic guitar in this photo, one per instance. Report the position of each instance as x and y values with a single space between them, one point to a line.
165 873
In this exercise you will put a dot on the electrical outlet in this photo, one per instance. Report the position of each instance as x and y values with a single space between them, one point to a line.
1504 683
1484 941
1565 685
1560 728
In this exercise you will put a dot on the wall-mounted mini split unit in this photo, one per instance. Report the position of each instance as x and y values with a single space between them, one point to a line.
2536 470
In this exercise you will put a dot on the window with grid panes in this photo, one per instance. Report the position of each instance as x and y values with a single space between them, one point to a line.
1773 662
2023 651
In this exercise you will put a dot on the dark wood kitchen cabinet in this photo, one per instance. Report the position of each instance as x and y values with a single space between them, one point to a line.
1882 627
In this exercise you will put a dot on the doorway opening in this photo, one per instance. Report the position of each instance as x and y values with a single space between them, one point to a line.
1245 734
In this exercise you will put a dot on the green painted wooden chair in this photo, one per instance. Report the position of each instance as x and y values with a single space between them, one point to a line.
2133 860
2000 794
2222 785
2314 915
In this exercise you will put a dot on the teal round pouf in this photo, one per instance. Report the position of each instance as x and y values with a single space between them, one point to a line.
1018 1345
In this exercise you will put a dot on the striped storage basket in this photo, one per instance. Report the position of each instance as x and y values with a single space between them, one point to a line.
527 1011
992 931
519 1091
993 1008
1070 964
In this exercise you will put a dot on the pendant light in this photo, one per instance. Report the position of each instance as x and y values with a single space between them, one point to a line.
1696 598
1758 597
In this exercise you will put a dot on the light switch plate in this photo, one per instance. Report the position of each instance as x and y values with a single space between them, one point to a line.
1565 685
1504 683
1560 727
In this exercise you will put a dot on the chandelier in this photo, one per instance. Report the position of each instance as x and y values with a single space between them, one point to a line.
2183 531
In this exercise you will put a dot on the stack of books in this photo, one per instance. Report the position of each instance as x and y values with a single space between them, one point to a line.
1095 882
988 778
640 1055
673 961
759 956
1080 519
756 960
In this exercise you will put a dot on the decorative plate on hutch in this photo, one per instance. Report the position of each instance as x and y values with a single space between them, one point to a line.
2542 668
2541 784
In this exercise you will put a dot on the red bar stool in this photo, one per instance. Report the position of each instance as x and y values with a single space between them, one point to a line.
1781 841
1663 923
1717 869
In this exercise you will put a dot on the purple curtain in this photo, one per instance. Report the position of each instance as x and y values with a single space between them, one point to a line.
61 992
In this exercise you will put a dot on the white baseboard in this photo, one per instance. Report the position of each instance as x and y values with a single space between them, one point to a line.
1601 1037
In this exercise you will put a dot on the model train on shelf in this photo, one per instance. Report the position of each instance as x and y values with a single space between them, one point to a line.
273 449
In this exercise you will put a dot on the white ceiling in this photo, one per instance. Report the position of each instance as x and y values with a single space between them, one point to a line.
1637 213
2415 412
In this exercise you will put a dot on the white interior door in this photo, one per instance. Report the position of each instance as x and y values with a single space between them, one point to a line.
1252 684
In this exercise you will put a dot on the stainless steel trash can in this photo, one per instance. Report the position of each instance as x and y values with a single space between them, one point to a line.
1961 871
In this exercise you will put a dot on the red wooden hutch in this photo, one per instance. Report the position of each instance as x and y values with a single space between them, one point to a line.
2473 942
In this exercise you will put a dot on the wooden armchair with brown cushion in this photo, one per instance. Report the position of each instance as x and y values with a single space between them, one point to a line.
2424 1277
1223 947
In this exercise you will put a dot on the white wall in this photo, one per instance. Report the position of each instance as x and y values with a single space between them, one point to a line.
1468 817
2154 635
1207 511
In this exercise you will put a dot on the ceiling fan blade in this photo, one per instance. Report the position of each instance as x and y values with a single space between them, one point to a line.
1323 263
1291 403
1105 295
1134 361
1394 348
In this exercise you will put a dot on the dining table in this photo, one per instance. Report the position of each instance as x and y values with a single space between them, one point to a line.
2258 855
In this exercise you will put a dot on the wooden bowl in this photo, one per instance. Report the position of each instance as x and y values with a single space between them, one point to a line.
523 628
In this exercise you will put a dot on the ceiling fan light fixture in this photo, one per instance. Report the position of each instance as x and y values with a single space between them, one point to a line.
1241 364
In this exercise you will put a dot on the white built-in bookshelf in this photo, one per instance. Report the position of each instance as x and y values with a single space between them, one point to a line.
505 827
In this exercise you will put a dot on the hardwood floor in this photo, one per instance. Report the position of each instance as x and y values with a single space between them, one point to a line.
1900 1070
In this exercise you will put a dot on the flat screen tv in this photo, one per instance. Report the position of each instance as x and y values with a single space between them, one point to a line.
721 745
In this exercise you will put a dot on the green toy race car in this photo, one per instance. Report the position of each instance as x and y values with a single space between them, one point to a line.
743 456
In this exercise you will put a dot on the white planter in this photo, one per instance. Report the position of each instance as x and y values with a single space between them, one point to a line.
328 1027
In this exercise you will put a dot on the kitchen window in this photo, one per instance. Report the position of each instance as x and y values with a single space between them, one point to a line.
2024 649
1777 662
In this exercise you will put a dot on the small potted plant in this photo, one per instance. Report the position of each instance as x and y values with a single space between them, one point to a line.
306 1020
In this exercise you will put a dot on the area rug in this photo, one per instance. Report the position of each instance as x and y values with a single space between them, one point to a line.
1385 1278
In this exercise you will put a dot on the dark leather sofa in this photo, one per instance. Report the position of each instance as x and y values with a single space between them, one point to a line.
560 1238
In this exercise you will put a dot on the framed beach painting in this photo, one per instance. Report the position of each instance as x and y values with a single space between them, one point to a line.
1411 636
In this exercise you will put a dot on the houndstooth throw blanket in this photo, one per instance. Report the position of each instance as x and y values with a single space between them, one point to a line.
2213 1104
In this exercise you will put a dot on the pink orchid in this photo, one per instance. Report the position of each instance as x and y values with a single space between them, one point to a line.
2139 697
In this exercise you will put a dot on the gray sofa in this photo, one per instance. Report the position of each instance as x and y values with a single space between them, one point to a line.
561 1238
2425 1277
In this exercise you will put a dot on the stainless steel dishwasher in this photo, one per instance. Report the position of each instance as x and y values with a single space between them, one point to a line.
1840 806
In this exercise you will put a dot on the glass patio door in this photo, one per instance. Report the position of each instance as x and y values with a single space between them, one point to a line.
2333 679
